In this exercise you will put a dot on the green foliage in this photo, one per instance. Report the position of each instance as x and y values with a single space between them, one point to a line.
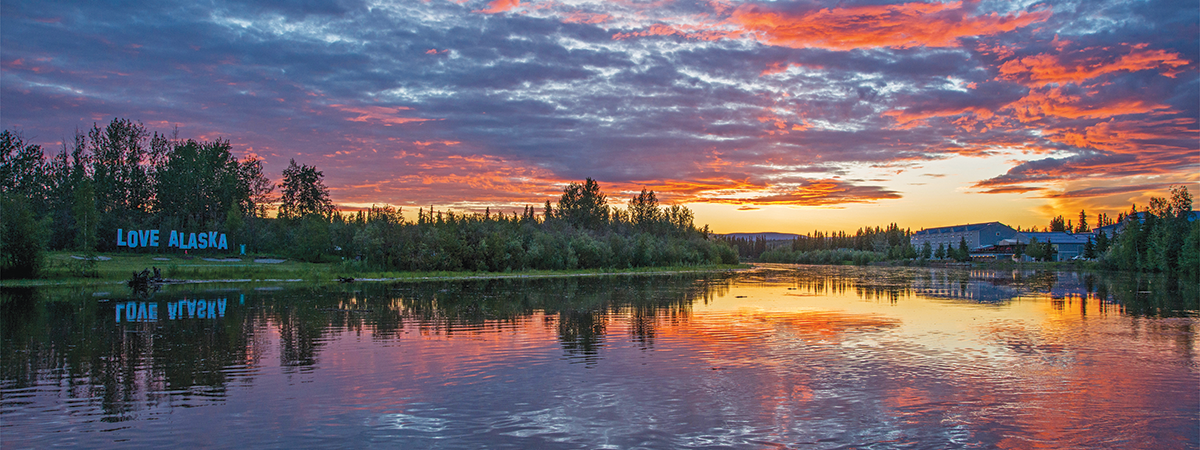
304 192
962 253
310 238
22 238
86 216
892 241
1082 226
22 170
1040 251
199 184
1102 243
643 210
119 166
583 206
121 177
1035 250
1155 240
1059 224
445 241
1189 255
829 257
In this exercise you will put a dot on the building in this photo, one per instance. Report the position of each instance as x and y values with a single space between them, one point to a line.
1066 245
977 235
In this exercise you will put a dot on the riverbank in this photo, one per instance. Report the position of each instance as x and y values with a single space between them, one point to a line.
74 269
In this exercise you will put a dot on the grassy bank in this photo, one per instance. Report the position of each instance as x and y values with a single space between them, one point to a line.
72 269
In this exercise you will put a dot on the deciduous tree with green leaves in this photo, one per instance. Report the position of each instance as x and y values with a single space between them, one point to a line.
583 206
303 192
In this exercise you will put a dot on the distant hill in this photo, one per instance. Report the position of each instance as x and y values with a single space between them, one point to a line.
770 236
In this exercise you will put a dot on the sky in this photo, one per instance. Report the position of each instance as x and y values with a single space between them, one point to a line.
787 116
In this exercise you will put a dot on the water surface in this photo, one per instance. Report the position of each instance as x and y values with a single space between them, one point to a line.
781 357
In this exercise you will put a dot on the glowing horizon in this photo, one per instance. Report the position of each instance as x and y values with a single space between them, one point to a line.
759 116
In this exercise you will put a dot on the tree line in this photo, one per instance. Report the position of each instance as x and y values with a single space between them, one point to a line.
1163 237
123 177
580 231
867 245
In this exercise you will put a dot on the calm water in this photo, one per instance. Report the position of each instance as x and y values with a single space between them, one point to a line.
781 357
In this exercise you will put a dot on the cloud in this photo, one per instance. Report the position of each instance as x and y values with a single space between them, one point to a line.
1108 190
824 192
1086 64
748 103
387 116
499 6
1011 190
897 26
1093 166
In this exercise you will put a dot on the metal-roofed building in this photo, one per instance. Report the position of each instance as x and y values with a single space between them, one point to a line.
1067 245
976 234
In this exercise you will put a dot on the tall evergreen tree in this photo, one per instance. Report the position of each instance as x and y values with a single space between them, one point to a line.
964 253
1058 224
1082 226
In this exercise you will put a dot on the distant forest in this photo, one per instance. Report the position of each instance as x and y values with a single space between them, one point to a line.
1163 237
121 177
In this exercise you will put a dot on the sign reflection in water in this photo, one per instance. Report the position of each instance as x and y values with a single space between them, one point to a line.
818 357
139 311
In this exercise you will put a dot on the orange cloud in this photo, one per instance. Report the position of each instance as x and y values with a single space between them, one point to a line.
380 114
1054 102
1118 136
911 119
446 180
1011 190
428 143
499 6
1056 68
589 18
895 26
811 193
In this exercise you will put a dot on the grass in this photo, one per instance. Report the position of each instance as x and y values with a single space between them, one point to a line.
62 269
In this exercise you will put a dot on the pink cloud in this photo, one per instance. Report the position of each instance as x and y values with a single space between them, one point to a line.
379 114
499 6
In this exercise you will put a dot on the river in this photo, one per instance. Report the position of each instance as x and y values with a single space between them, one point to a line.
776 357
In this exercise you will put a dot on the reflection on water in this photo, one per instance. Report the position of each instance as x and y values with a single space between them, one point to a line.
815 357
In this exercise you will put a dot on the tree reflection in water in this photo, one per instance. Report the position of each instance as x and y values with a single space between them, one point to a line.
85 344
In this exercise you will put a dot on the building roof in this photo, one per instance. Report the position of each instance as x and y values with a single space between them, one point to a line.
1055 237
959 228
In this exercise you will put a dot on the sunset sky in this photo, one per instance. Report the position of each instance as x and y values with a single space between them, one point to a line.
785 116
